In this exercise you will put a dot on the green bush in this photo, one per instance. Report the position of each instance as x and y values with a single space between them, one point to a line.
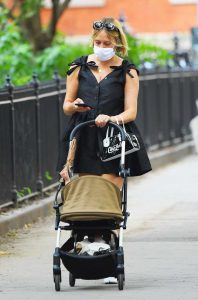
18 60
140 52
15 53
57 57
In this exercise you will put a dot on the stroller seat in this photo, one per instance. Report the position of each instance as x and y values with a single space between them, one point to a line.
91 198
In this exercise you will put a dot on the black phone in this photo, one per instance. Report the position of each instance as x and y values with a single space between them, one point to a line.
84 105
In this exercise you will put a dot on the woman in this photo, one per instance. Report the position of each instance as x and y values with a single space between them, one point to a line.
109 84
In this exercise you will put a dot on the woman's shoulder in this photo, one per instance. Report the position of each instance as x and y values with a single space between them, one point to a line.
129 65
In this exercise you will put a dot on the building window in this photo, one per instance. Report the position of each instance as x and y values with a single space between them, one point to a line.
183 1
79 3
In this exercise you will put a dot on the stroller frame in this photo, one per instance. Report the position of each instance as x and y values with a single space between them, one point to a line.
115 261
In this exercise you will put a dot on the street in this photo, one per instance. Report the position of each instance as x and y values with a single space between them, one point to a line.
160 244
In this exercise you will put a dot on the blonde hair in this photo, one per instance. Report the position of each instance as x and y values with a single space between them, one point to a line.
118 39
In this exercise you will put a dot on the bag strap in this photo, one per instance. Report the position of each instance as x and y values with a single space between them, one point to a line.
112 131
121 124
116 120
107 132
124 128
127 135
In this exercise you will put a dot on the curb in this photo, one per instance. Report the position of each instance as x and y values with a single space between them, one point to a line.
171 154
17 218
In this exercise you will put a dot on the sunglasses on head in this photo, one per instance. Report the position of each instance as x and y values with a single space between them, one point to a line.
98 25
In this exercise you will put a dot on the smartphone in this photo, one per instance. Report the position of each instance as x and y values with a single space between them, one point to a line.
84 105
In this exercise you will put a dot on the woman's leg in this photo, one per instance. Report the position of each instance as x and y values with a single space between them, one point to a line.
84 174
117 180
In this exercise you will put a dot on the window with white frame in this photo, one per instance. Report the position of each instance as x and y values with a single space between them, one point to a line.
78 3
183 1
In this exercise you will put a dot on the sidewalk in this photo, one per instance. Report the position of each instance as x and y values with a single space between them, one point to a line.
150 184
160 191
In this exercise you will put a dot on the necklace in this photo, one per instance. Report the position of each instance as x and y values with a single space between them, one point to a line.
101 70
106 68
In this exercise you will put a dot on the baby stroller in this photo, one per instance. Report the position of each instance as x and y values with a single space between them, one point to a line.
91 206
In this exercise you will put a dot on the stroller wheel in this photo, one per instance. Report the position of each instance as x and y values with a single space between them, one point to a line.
57 281
120 281
72 280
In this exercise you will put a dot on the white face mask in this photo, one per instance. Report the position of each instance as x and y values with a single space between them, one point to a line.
104 54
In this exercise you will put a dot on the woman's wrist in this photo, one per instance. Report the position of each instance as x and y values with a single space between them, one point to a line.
70 108
112 119
115 119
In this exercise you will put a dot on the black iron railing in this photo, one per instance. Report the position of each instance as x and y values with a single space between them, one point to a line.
32 124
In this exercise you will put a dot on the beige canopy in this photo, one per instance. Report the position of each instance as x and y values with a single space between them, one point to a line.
89 198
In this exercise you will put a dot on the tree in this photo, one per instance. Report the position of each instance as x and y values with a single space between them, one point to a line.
27 13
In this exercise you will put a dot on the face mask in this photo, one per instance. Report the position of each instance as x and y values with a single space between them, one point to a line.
104 54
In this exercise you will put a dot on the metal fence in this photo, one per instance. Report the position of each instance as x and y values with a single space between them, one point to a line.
32 123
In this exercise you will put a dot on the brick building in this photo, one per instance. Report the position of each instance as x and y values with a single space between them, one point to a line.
156 20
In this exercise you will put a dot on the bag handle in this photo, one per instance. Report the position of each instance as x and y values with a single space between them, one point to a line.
107 132
127 135
123 126
112 129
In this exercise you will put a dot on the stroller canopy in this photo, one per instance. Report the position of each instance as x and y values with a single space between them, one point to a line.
91 197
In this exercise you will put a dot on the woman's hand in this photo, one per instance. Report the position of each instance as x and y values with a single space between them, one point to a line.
70 107
102 120
80 108
64 174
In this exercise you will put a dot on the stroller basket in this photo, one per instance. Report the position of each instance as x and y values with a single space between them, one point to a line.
90 267
90 198
87 266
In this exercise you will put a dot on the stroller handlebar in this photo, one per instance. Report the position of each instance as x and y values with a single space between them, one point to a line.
92 122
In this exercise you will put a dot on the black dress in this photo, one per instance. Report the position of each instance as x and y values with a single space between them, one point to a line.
107 97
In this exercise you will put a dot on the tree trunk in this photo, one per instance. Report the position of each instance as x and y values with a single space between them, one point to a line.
33 32
32 27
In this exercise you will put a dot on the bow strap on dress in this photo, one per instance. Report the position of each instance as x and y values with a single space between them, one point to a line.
80 63
117 67
126 66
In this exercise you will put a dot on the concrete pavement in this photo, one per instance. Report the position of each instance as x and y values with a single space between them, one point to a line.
158 191
33 210
160 245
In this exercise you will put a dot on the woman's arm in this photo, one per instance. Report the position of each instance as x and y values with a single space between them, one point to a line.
72 85
69 106
130 101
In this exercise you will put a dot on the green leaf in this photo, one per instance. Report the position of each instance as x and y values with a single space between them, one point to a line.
48 176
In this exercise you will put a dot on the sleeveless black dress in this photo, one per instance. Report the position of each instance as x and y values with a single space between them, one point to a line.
107 97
